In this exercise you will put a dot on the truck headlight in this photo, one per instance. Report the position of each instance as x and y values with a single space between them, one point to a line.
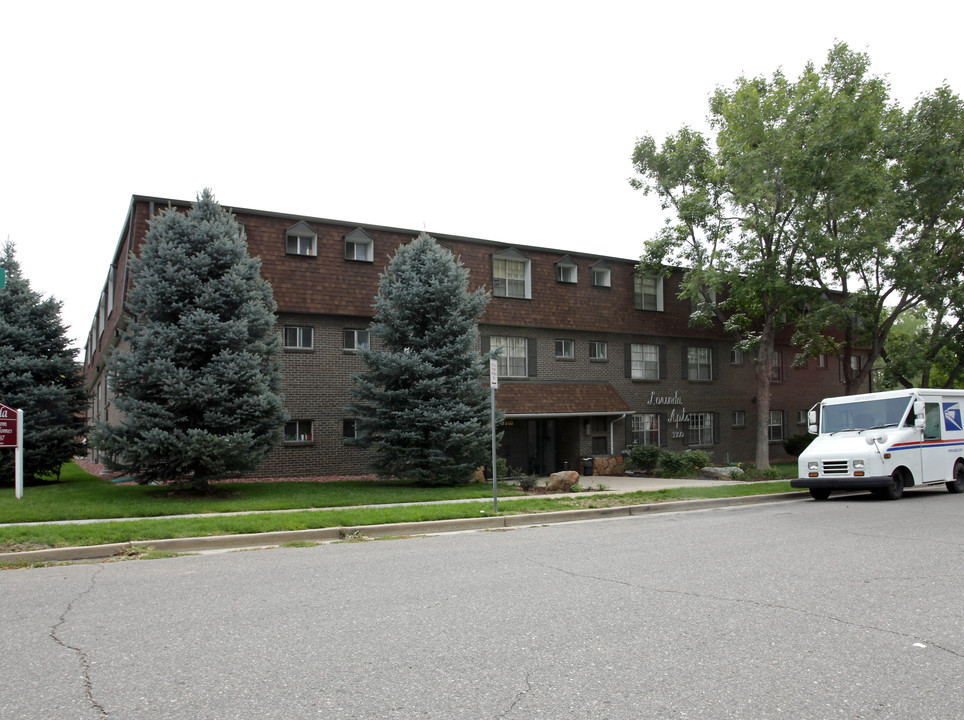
858 464
813 466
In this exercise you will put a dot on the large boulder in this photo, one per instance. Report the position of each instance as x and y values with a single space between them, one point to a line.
562 482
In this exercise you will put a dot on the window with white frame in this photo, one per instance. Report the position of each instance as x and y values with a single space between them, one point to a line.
645 362
646 429
647 292
739 418
299 337
514 355
349 429
357 340
699 363
736 356
601 275
701 428
565 349
359 245
775 426
802 417
298 431
511 275
822 361
856 363
776 366
566 270
300 239
598 350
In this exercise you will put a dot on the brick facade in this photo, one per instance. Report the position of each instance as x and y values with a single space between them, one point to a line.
330 294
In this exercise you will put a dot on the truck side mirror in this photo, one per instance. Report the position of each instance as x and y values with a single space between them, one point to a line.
919 420
812 422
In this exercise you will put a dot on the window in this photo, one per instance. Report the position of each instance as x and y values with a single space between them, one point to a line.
645 362
646 429
822 361
298 337
357 340
647 292
775 426
565 270
601 275
736 356
300 239
298 431
349 429
856 363
699 363
598 350
739 418
565 349
776 366
802 417
511 275
513 360
359 245
701 428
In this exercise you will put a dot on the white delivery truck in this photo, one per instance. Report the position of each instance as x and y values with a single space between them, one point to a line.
884 442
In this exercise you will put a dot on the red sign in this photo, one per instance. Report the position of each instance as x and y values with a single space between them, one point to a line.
8 427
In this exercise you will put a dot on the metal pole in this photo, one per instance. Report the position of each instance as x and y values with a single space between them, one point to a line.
495 487
18 458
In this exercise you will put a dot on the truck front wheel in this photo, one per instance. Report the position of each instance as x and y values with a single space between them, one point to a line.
895 491
957 484
819 493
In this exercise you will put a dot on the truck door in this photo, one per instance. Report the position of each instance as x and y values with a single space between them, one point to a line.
933 456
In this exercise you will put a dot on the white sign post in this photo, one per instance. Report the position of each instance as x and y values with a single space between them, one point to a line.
11 436
493 386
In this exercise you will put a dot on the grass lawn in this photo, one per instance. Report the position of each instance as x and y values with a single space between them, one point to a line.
83 496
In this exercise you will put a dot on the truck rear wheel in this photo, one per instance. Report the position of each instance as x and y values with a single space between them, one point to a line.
957 484
895 491
819 493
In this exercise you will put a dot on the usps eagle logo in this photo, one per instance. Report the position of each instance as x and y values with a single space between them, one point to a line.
952 416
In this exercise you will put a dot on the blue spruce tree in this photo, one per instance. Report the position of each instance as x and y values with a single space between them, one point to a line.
39 374
421 405
197 376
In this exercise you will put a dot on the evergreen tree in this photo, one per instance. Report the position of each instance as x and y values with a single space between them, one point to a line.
421 405
197 377
39 375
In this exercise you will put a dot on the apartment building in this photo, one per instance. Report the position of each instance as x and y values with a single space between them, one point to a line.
596 357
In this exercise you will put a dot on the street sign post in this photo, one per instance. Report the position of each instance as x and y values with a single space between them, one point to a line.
493 386
11 436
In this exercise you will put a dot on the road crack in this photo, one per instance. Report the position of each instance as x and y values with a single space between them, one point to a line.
754 603
519 695
80 652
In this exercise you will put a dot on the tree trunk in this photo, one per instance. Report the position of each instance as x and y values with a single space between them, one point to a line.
764 365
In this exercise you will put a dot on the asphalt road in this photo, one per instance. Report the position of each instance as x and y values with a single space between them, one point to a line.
851 608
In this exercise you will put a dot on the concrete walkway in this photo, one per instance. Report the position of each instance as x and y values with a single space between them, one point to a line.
614 485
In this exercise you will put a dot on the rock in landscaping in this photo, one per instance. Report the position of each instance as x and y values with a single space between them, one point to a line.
562 482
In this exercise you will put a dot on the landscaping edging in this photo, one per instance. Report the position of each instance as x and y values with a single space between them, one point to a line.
430 527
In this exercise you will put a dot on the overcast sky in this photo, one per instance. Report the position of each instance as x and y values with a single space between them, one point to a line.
508 121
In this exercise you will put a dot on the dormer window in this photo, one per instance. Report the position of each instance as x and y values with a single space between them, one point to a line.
359 245
511 275
601 275
566 270
300 239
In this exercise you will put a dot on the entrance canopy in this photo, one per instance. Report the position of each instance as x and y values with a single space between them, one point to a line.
557 400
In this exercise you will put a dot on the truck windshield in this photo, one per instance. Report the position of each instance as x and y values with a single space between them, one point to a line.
865 414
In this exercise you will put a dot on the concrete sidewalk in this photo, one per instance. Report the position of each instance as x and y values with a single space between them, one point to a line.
483 522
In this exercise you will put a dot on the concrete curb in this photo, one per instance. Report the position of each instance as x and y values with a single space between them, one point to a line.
430 527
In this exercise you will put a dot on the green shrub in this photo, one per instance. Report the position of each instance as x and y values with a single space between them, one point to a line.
646 457
527 482
684 464
796 444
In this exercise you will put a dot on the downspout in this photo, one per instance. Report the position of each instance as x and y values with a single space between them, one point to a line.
612 438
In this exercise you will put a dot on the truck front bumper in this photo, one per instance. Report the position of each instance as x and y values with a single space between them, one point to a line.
843 482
